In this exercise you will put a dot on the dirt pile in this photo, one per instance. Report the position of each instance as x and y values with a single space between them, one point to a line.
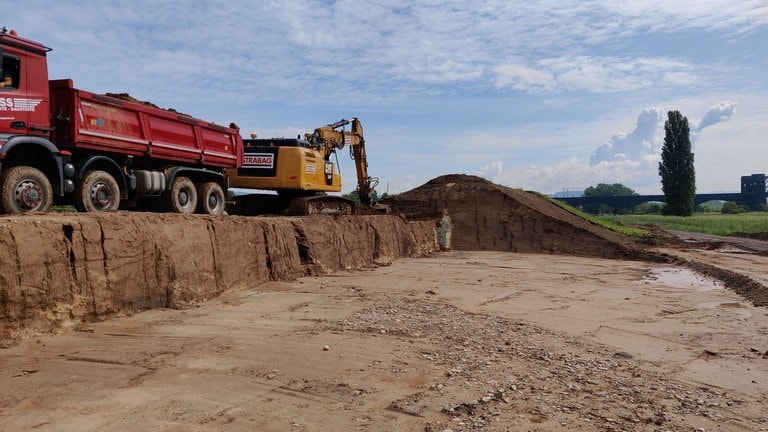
128 98
60 270
486 216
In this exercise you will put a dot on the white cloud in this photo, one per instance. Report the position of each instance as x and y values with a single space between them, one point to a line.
716 114
572 174
739 17
383 47
594 74
521 77
643 141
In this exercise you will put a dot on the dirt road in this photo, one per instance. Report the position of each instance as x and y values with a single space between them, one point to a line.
490 341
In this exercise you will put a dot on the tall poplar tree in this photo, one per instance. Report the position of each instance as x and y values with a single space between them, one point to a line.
678 176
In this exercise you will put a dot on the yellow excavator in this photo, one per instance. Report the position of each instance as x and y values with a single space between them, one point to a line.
300 172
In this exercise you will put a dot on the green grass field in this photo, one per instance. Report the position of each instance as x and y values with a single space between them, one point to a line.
710 223
604 221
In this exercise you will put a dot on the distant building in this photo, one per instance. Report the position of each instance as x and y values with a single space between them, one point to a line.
753 189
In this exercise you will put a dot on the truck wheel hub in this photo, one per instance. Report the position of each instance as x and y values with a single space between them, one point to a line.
101 196
29 194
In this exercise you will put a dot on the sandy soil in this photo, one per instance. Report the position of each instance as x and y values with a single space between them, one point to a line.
492 341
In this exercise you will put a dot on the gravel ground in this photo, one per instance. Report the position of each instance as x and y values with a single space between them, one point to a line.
460 341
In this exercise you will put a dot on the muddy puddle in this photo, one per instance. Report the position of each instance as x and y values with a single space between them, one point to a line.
681 278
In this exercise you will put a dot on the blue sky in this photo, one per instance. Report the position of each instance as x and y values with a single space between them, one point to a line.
546 95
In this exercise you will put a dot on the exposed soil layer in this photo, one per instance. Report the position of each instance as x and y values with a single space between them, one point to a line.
487 216
60 270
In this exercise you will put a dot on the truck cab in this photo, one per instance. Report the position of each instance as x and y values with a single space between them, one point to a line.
32 169
24 106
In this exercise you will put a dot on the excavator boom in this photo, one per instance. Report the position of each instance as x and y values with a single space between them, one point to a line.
334 137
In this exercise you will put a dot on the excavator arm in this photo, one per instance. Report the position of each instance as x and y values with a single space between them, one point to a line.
365 183
334 137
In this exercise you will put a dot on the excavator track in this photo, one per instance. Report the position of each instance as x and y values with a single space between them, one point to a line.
304 206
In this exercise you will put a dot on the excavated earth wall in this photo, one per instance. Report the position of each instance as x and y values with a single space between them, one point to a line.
485 216
60 270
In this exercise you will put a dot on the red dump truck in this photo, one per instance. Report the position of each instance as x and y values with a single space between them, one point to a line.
61 145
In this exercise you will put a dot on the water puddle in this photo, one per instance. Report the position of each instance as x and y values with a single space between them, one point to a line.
733 250
681 278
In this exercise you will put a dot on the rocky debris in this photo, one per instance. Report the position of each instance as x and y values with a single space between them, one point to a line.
497 372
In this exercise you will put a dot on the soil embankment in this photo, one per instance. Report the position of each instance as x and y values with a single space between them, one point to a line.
60 270
487 216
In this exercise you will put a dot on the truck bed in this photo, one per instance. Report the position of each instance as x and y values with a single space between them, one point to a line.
85 121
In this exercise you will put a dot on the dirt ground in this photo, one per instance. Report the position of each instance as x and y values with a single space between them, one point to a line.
531 319
461 340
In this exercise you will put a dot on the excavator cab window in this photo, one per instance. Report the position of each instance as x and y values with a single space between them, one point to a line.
11 68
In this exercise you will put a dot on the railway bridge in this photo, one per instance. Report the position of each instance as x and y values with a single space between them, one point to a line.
754 190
